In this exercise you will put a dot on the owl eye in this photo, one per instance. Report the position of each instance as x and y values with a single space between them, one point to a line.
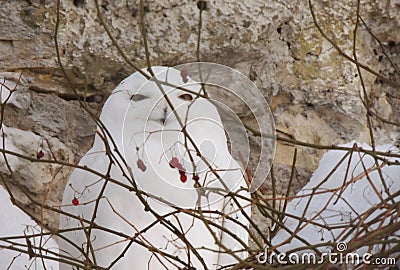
138 97
186 97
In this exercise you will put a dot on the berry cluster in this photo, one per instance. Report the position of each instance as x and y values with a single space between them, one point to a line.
175 164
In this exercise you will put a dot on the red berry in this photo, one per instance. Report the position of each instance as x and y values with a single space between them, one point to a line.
174 162
184 75
196 177
141 165
40 154
183 178
75 201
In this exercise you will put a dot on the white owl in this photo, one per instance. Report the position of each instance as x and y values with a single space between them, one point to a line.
155 192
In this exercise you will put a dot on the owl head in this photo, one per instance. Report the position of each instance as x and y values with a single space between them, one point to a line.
168 101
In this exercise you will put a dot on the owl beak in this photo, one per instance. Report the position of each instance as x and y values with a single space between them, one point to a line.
164 118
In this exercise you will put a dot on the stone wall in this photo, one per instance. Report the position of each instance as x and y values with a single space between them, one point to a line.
313 90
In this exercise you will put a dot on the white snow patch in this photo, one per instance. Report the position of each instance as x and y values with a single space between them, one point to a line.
336 206
14 222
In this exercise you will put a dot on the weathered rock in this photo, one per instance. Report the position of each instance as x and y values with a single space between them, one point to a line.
35 183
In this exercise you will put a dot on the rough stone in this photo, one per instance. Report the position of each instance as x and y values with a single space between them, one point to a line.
34 182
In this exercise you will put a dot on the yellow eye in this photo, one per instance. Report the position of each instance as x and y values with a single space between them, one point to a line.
138 97
186 97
